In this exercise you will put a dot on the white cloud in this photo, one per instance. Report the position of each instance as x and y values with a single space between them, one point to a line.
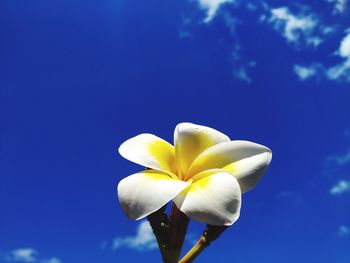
343 231
212 6
306 72
337 72
241 67
295 27
344 49
340 6
292 197
339 159
301 28
24 255
143 240
341 71
252 7
338 164
340 188
184 32
231 22
242 72
52 260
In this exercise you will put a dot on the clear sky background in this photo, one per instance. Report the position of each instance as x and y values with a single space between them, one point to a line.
77 78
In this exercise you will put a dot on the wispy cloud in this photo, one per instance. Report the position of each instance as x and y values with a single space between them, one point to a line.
342 70
184 32
52 260
241 72
341 187
26 255
299 24
293 27
241 67
337 72
337 164
340 159
293 197
211 7
298 28
343 231
231 22
339 6
306 72
143 240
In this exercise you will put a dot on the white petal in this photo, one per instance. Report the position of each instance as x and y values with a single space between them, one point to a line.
145 192
214 198
190 140
247 161
150 151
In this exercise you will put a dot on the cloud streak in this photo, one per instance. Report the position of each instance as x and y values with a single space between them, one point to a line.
211 7
341 187
343 231
296 28
52 260
26 255
337 72
306 72
340 6
242 72
143 240
342 70
300 25
339 159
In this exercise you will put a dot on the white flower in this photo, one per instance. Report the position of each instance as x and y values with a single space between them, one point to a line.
205 174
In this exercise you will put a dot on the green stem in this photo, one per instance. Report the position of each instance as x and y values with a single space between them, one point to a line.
194 251
210 234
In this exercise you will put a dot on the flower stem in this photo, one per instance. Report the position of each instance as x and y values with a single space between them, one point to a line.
178 226
160 224
210 234
170 232
194 251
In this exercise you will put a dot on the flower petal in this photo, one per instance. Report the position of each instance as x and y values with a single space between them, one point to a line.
247 161
145 192
190 140
150 151
213 198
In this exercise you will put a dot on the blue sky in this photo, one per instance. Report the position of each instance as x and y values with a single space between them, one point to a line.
80 77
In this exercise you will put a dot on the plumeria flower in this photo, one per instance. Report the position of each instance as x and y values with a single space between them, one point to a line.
204 173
